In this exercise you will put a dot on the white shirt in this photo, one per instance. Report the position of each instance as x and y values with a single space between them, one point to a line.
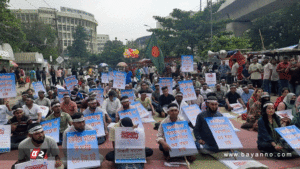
234 69
151 70
33 112
111 107
267 70
275 75
3 111
182 104
254 67
173 69
205 92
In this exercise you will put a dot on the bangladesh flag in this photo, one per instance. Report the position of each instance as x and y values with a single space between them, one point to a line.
154 53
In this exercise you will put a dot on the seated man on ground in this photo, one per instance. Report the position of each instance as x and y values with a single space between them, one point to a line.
111 105
125 106
32 110
232 97
146 102
165 99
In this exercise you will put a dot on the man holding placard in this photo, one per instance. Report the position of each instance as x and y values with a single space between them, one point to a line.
32 110
111 105
125 106
202 132
180 103
165 99
232 97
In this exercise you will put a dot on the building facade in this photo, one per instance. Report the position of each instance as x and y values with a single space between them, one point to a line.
101 40
65 22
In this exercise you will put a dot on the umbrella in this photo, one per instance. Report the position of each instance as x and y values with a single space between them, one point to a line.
103 64
145 60
12 63
122 64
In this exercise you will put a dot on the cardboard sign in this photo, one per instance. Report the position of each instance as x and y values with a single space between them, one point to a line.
104 78
44 110
211 79
71 82
129 145
187 63
96 121
140 108
241 162
291 134
5 132
191 112
110 75
223 133
51 128
119 80
129 93
166 81
82 149
36 164
238 108
99 94
285 113
7 85
37 86
187 89
180 139
133 115
60 94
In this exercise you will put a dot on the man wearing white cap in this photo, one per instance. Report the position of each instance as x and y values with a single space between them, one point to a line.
32 110
180 103
125 106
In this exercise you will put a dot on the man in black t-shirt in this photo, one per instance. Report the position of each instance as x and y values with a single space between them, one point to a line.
232 97
165 99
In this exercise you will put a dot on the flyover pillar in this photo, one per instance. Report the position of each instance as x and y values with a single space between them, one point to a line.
238 28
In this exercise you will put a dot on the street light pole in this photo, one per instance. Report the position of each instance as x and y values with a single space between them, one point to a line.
211 26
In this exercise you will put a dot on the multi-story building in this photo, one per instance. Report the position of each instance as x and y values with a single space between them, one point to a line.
101 40
65 21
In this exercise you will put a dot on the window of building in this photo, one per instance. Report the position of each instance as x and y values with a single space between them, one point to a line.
60 35
59 27
69 43
59 19
76 21
72 28
68 28
72 21
68 20
64 35
65 43
64 27
69 35
63 19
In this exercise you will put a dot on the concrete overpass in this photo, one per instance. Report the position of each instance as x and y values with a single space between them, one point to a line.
243 12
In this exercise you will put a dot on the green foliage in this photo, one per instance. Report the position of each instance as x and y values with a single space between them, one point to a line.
10 27
278 29
78 48
40 38
112 53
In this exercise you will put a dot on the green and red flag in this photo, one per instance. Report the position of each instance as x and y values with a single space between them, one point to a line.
154 53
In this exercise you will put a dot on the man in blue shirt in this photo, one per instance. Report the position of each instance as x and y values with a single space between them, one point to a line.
246 74
247 93
223 70
128 76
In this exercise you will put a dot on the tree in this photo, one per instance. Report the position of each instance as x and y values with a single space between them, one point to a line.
278 29
10 27
78 48
40 37
112 53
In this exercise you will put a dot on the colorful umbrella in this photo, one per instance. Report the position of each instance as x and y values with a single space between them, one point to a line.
122 64
12 63
103 64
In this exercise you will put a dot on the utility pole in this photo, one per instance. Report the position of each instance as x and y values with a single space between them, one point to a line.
211 26
200 5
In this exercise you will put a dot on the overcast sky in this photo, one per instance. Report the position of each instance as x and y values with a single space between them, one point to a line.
123 19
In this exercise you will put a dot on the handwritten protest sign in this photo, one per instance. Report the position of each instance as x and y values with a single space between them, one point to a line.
187 89
166 81
238 108
99 94
36 164
211 79
179 138
60 94
71 82
130 145
51 128
7 85
104 78
291 134
44 110
129 93
223 133
96 121
191 112
110 75
37 86
119 80
141 109
187 63
82 149
133 115
5 131
285 113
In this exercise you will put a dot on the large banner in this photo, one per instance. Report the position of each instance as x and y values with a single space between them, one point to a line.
285 113
133 115
36 164
187 63
166 81
223 133
5 132
211 79
51 128
119 80
60 94
187 89
96 121
180 139
129 93
7 85
82 149
291 134
37 86
129 145
71 82
99 93
191 112
104 78
141 109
